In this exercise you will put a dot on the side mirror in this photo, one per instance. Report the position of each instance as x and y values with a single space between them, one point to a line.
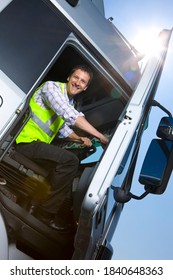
158 164
165 128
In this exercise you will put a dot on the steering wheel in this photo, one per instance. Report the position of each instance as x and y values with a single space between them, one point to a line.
76 146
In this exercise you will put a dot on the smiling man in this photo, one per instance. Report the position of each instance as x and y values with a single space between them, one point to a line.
53 113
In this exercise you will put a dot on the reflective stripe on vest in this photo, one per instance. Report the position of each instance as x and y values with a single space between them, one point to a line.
44 125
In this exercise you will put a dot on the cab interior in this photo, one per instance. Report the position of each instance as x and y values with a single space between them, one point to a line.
27 182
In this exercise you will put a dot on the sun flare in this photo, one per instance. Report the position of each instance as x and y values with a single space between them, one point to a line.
147 42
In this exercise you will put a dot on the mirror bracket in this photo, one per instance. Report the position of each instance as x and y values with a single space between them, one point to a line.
122 196
157 104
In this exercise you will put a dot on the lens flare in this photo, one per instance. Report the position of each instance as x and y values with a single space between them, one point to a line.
148 42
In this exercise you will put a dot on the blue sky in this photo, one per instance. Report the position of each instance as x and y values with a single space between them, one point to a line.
145 228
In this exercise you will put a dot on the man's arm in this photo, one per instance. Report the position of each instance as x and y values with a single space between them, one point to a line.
83 124
60 105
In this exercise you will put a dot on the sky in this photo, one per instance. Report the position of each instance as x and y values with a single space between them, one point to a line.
145 228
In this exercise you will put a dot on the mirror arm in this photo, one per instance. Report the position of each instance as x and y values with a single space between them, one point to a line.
155 103
123 196
139 197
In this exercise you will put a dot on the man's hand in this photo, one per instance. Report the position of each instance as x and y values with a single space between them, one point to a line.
86 141
103 139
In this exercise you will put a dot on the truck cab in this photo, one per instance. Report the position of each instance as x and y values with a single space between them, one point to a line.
43 40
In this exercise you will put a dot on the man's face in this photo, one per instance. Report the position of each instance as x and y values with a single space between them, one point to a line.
77 82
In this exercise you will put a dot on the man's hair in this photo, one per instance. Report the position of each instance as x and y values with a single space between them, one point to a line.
84 68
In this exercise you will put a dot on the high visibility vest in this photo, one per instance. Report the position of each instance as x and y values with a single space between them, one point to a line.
43 125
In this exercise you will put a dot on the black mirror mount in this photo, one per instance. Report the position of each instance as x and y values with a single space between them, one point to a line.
73 3
157 104
122 196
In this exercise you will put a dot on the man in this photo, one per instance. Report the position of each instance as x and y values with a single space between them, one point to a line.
53 113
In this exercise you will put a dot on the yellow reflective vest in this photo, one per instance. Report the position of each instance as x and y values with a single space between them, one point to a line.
43 125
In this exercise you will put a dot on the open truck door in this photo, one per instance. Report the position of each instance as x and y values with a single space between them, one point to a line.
118 103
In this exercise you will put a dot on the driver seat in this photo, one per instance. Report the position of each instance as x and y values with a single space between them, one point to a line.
30 178
25 165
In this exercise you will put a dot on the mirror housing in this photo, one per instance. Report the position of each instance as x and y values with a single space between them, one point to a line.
157 166
165 128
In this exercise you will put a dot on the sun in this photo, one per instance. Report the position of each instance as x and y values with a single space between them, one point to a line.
147 41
